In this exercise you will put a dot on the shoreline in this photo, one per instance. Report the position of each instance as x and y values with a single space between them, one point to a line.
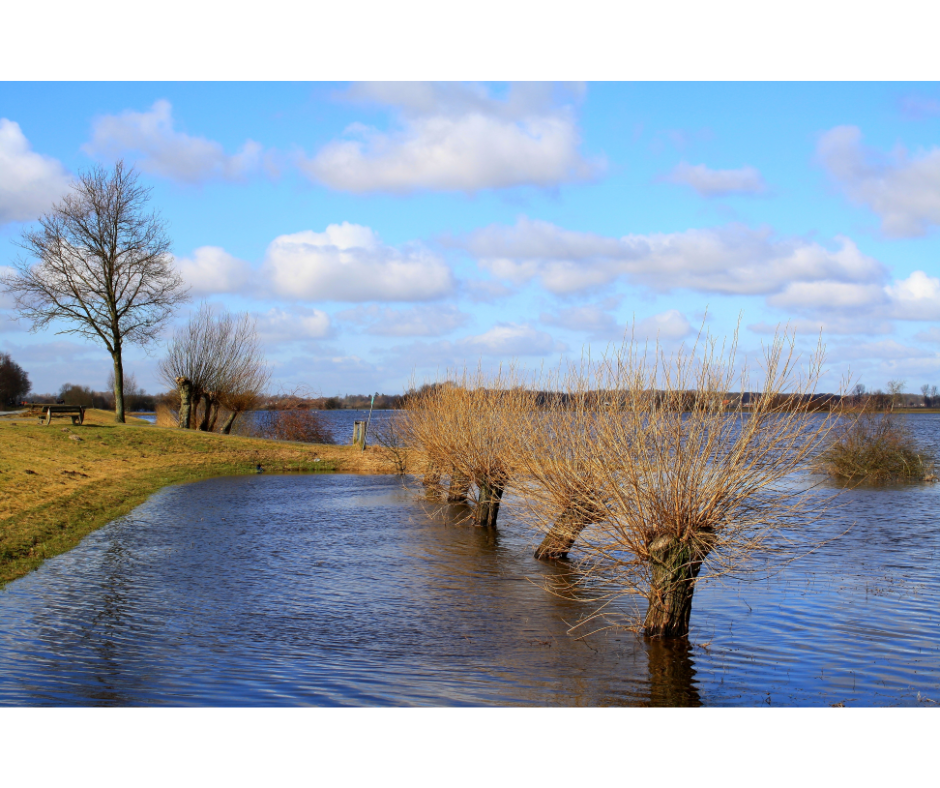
59 483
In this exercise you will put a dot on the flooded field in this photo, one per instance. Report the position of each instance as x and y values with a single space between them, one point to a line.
346 590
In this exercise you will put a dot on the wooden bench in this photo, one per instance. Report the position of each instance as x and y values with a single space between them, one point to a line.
48 412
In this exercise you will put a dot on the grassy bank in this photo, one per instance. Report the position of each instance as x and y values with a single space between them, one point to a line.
59 483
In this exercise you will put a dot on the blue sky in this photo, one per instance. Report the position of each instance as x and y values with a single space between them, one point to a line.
378 230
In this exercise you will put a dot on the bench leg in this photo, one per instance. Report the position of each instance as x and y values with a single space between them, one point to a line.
49 418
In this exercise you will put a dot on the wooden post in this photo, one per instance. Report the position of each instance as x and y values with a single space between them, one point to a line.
359 434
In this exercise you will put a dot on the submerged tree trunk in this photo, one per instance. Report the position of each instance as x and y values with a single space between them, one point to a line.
432 482
227 424
459 488
563 534
491 493
674 565
185 387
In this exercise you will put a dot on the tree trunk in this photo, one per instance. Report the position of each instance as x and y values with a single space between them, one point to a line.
215 415
185 387
674 565
491 493
563 534
207 411
118 386
432 482
227 425
459 488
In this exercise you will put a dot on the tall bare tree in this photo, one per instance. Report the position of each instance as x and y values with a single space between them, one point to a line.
99 263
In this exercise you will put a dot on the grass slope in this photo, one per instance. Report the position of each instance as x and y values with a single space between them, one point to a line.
55 489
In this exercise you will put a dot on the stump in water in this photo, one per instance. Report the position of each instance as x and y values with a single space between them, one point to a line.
491 493
674 564
459 488
432 482
564 533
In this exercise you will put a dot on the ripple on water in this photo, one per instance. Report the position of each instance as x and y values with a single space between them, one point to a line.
344 590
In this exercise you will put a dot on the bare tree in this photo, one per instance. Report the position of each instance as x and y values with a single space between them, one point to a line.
896 392
215 361
100 263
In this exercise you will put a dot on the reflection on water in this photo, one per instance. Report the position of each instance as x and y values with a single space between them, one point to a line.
346 590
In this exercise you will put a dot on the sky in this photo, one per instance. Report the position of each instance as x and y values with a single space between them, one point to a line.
385 231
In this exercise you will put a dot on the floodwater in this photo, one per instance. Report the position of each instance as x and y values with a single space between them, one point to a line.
334 590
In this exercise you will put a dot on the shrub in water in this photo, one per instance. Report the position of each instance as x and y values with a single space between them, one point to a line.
875 448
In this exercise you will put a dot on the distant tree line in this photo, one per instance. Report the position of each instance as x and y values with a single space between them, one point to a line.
14 382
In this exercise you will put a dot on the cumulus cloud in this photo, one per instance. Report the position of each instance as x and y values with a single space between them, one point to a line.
418 321
734 259
454 137
211 270
903 190
593 318
348 262
152 139
718 183
504 341
29 182
666 326
511 339
915 298
278 326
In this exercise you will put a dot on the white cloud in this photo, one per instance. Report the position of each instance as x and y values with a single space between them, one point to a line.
455 138
212 270
718 183
278 326
511 339
418 321
594 318
931 335
29 182
160 149
502 342
6 299
666 326
903 190
348 262
734 259
829 295
828 325
915 298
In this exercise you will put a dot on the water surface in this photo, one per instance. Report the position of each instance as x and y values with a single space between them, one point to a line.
346 590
